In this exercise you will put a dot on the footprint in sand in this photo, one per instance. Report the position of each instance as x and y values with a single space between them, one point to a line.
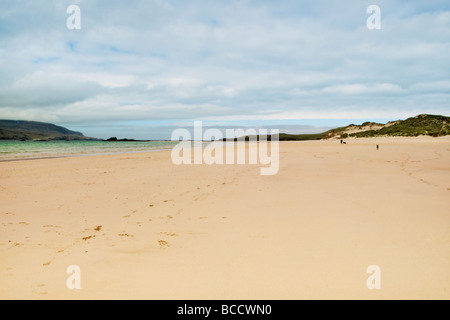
125 235
163 244
48 263
169 234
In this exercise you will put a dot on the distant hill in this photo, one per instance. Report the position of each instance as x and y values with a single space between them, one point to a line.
424 124
32 130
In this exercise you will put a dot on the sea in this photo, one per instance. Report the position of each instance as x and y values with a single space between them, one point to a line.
26 150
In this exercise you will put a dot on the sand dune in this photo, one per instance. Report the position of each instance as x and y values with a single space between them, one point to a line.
140 227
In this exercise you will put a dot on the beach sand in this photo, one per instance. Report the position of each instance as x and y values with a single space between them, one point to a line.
140 227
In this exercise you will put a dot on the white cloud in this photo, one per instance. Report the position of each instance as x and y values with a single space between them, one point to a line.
107 80
377 88
223 60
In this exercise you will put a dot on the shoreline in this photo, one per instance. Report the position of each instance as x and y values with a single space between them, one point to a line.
83 155
390 139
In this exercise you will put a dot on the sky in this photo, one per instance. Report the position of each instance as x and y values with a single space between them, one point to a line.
140 68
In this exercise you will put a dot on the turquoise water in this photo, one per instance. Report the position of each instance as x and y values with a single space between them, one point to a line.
17 150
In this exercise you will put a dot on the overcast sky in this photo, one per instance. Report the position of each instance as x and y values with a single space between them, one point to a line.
138 68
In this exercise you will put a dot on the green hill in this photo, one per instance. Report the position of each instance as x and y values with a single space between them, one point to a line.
424 124
302 137
32 130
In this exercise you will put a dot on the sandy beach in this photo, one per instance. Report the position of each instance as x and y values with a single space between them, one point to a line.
140 227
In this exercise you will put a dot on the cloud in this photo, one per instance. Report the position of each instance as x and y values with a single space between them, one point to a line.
41 90
350 89
235 60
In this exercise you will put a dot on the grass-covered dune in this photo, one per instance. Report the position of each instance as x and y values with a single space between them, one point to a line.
424 124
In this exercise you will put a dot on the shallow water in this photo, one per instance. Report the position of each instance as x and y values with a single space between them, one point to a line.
18 150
